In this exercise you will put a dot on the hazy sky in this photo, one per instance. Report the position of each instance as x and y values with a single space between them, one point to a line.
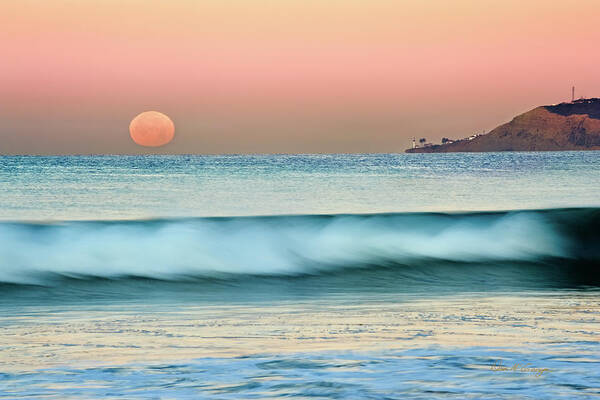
287 76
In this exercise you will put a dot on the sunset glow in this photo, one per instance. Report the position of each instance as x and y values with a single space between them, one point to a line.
284 76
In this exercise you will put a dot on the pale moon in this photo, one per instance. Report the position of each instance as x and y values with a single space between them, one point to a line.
152 129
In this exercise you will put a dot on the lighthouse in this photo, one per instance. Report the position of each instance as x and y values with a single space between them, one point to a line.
414 143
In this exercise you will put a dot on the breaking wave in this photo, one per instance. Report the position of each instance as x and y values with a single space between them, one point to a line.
36 253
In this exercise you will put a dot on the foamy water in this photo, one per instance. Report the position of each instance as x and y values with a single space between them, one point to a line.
327 276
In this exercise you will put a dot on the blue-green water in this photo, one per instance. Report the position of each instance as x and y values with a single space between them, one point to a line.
384 276
115 187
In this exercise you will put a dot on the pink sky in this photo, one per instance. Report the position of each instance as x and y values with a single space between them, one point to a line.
284 76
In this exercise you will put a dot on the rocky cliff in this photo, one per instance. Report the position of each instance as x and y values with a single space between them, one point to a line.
565 126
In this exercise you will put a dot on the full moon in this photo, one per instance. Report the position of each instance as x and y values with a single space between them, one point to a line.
152 129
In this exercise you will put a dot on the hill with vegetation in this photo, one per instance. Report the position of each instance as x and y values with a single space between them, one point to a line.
565 126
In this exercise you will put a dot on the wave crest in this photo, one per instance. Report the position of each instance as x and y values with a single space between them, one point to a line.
289 245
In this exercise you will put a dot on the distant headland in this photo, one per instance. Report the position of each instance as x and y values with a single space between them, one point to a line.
564 126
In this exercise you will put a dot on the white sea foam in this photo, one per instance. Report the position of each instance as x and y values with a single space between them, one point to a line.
268 245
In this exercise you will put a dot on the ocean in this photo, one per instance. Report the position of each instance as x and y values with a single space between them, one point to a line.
350 276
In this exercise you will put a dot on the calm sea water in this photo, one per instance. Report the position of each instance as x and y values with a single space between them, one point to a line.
114 187
380 276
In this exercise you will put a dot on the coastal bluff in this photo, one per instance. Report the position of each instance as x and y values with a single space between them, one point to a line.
565 126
